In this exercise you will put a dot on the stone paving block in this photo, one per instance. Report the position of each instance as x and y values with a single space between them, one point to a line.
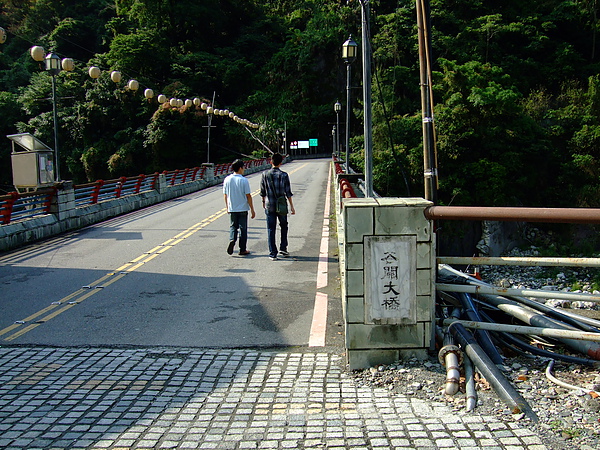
298 399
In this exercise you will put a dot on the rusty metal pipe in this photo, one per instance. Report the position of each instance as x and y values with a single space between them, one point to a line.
519 261
575 320
488 289
514 214
507 393
531 317
482 336
470 389
451 357
519 345
528 315
532 331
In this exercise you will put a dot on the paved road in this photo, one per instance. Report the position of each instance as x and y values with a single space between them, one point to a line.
161 276
141 332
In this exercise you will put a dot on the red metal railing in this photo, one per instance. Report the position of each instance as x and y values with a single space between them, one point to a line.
14 206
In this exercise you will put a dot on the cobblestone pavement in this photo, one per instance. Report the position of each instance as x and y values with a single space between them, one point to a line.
161 398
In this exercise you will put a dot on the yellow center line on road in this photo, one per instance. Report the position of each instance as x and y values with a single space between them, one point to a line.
86 292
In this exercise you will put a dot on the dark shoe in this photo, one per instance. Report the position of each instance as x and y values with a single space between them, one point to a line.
244 253
284 254
230 247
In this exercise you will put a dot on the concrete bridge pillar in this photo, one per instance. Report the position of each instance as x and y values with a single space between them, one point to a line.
63 204
388 279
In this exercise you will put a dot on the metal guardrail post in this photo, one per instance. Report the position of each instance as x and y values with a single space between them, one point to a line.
8 209
138 184
119 187
96 191
51 195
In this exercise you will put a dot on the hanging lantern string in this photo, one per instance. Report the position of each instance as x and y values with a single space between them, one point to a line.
68 64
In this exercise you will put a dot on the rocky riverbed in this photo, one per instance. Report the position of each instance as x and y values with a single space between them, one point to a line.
568 417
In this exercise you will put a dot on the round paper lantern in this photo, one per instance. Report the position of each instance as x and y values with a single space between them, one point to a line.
94 72
162 98
197 101
133 85
173 102
231 115
2 35
37 53
115 75
149 93
68 64
188 103
204 106
210 110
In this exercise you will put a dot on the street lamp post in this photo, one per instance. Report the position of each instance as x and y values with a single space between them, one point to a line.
53 67
337 107
368 129
210 110
333 140
349 51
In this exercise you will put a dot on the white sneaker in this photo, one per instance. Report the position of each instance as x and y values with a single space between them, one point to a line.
273 258
284 254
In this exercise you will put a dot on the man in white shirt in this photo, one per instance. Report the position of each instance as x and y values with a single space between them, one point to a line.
238 199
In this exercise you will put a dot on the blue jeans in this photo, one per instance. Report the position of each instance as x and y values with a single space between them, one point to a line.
239 220
271 229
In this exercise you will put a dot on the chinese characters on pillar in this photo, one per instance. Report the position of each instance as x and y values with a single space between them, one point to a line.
390 273
390 288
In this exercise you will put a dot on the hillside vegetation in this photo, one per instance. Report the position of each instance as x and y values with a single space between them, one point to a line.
516 89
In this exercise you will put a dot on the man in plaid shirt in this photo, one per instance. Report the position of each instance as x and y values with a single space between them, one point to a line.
273 184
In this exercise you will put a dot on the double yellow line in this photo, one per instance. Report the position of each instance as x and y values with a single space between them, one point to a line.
51 311
64 304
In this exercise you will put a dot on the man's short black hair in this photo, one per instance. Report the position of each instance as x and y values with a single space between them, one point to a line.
276 159
237 165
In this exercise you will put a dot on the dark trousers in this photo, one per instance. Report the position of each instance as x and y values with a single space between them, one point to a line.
239 220
272 219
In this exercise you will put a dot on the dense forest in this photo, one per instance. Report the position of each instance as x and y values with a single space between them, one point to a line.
516 89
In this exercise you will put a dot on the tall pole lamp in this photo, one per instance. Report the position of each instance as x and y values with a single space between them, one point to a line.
53 67
367 115
333 139
337 107
349 52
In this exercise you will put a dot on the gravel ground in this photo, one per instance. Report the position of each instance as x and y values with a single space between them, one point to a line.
568 418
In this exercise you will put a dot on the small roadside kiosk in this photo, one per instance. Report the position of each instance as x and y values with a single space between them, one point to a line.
32 163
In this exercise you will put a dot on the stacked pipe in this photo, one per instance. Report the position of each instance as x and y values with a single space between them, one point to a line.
579 334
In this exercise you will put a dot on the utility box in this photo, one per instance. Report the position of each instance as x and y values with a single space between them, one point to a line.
32 162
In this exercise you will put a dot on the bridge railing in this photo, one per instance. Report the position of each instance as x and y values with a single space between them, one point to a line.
517 214
345 185
19 206
15 206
